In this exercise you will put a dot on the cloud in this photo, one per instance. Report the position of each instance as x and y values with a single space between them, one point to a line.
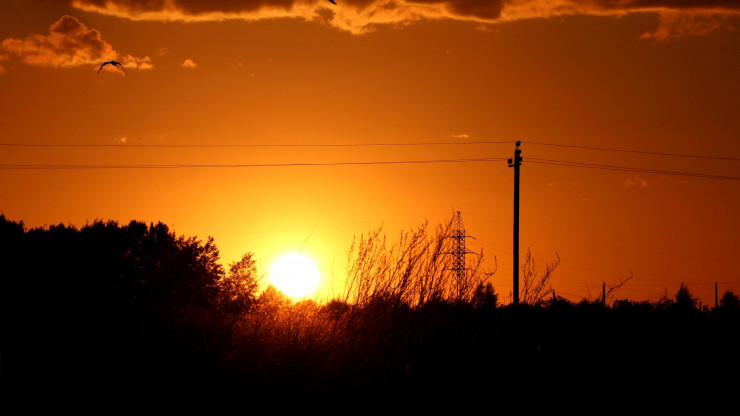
674 25
360 16
635 181
134 62
188 63
667 180
460 136
69 44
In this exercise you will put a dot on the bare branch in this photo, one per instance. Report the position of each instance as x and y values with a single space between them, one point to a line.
536 288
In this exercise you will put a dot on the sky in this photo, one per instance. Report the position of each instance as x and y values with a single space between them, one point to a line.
659 78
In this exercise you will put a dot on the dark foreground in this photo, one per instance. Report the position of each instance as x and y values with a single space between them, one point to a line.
127 315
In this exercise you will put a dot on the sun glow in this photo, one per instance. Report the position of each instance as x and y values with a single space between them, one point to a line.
295 275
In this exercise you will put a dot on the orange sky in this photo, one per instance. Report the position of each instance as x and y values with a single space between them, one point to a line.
632 74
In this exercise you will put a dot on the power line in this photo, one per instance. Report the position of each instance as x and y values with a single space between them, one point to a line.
385 144
391 162
250 165
629 169
382 144
555 162
607 149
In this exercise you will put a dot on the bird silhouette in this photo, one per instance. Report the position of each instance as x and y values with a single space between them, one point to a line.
332 2
114 63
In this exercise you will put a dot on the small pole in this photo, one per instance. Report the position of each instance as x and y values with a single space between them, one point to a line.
603 293
716 302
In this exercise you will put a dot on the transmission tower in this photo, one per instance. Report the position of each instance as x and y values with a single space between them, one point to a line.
458 236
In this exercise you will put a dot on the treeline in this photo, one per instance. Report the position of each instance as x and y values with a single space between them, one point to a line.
134 312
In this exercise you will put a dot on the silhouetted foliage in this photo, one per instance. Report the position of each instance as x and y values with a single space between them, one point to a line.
536 286
75 298
729 302
237 291
684 301
485 296
414 270
610 290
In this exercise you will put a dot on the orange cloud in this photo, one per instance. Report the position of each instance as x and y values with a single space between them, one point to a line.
69 44
359 16
189 63
635 181
134 62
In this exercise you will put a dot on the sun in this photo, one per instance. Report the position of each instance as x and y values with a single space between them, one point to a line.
295 275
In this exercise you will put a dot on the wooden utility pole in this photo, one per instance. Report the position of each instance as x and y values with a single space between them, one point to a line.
516 163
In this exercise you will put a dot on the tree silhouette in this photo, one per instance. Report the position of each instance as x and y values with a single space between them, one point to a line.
730 302
684 299
238 289
485 297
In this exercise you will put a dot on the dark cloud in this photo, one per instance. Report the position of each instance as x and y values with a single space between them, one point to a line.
69 43
480 9
195 7
358 16
671 4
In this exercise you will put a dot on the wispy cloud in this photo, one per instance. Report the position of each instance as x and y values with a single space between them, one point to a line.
359 16
635 181
70 43
668 180
674 25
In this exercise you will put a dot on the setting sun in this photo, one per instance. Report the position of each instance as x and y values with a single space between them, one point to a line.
295 275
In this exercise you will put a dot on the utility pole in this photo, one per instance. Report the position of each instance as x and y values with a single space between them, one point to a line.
516 163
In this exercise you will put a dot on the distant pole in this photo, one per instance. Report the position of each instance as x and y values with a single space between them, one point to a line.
515 163
716 302
603 293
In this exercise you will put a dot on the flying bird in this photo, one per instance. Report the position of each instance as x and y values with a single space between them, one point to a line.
114 63
332 2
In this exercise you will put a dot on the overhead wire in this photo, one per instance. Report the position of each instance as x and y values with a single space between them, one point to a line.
254 145
607 149
245 165
628 169
365 144
555 162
